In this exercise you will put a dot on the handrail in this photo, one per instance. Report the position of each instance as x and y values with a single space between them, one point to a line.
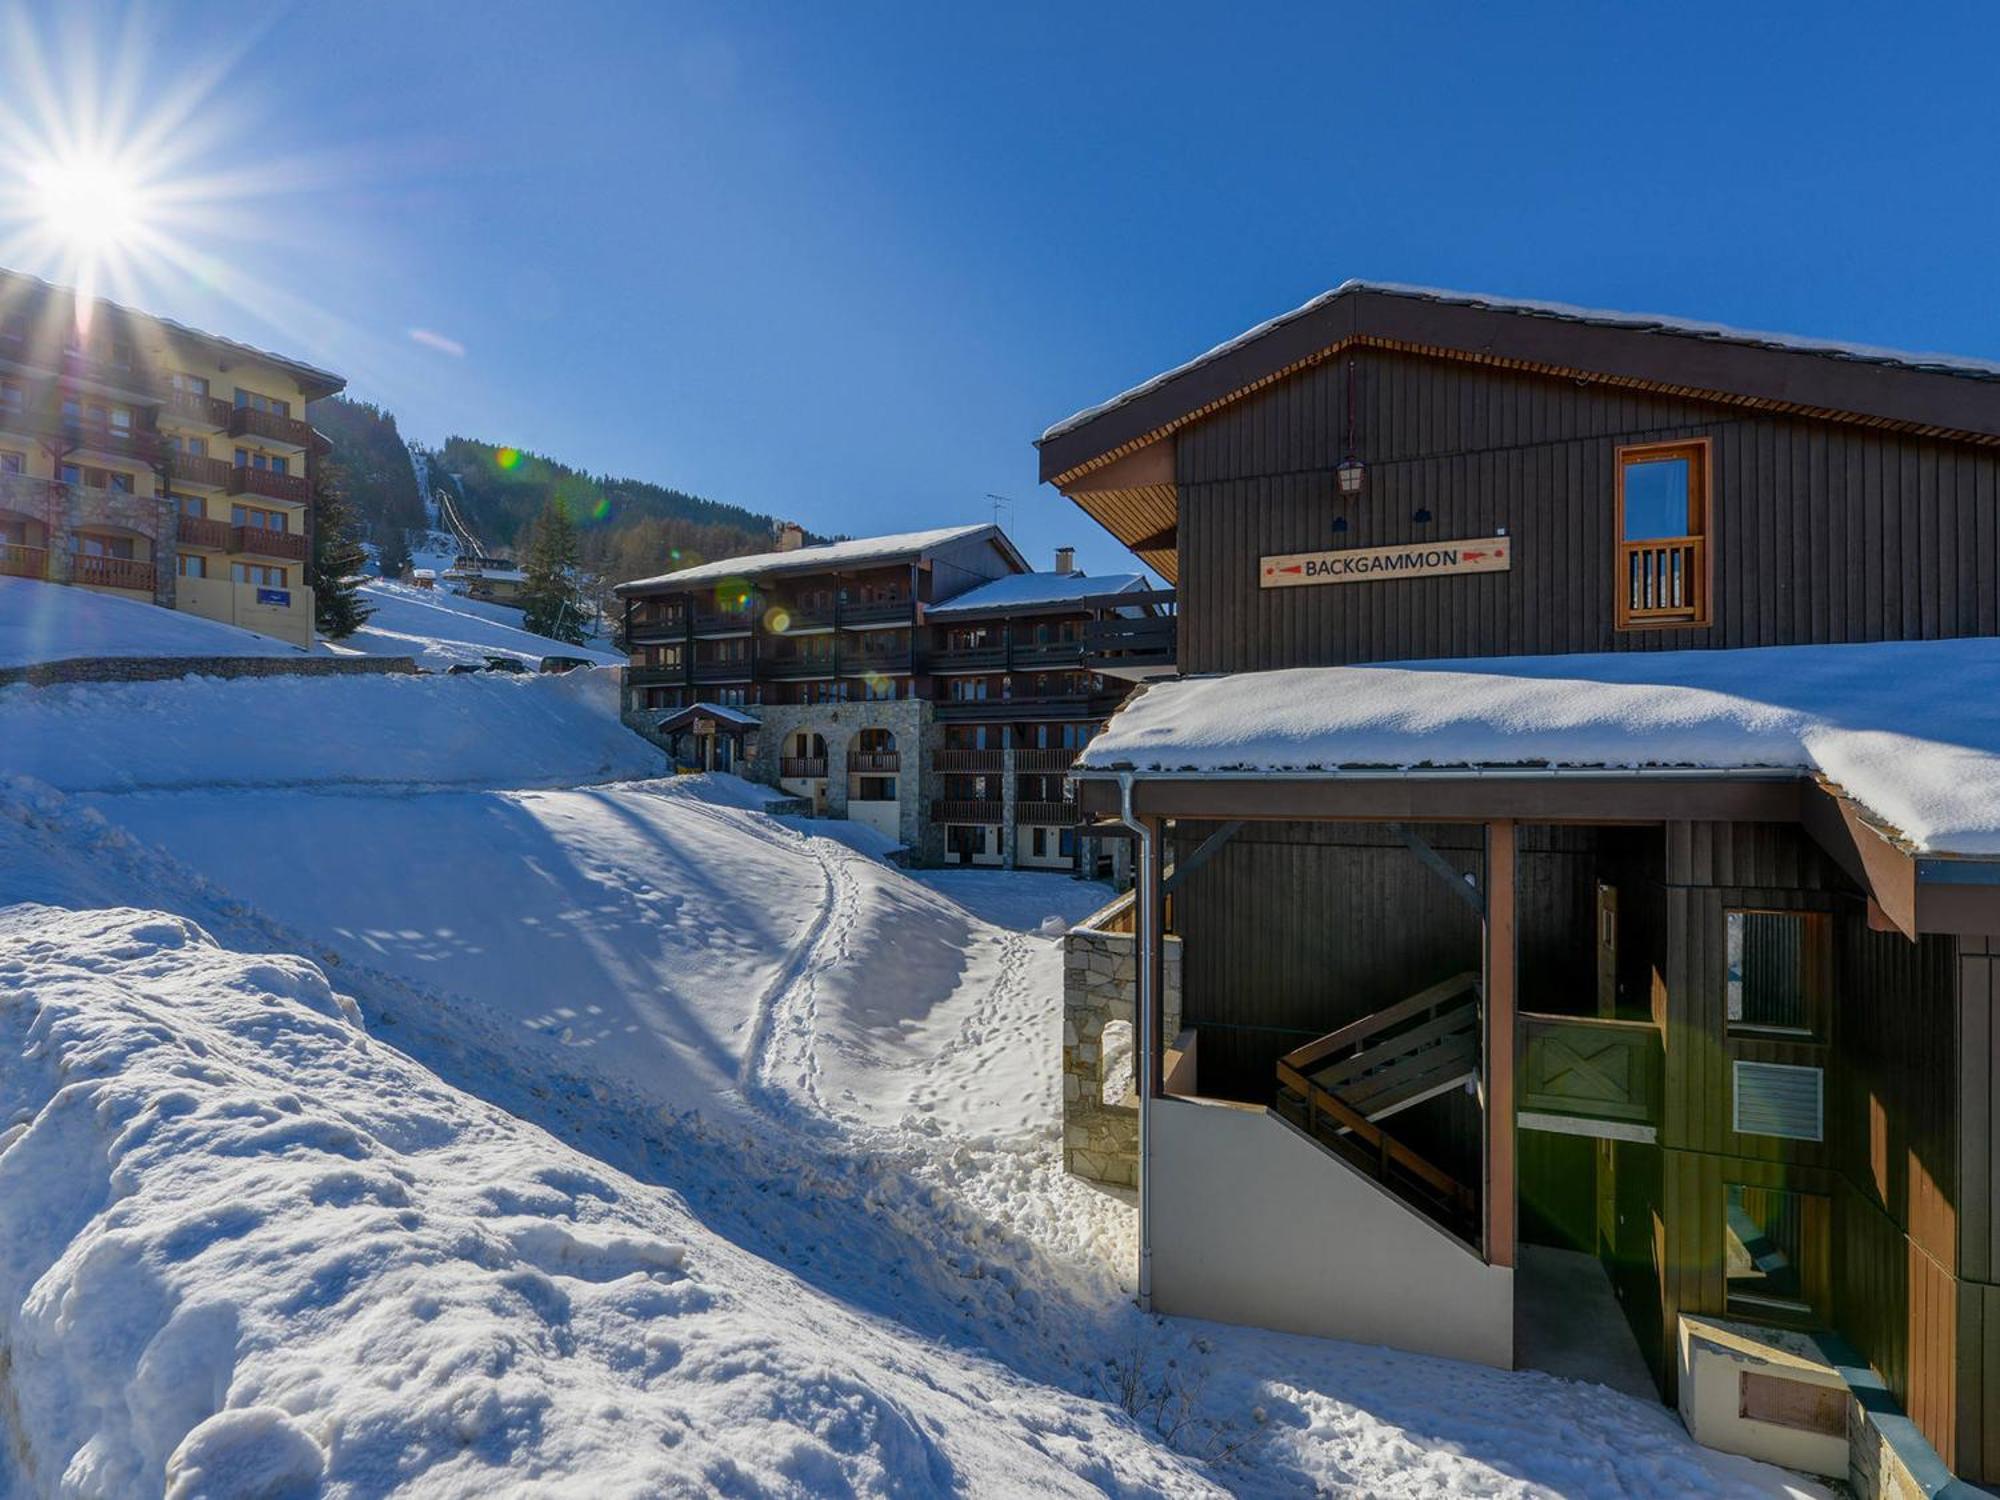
1313 1053
1385 1147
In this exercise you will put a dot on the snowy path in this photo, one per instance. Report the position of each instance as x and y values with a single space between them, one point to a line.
664 960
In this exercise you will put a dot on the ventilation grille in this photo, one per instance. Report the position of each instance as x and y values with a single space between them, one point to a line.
1776 1099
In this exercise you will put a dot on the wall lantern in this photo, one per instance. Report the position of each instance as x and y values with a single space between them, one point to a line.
1350 472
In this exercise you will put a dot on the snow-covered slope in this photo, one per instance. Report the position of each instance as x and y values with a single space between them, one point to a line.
310 731
53 622
439 628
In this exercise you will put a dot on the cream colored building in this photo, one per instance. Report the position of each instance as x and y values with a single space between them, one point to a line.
143 458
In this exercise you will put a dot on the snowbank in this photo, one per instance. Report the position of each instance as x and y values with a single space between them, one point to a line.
250 1250
1911 728
42 622
439 628
296 731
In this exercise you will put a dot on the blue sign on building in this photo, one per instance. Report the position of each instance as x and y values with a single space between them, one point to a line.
281 597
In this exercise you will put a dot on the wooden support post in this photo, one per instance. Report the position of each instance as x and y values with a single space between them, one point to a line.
1152 914
1498 1072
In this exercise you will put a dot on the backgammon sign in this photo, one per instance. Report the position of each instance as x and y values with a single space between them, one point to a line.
1493 554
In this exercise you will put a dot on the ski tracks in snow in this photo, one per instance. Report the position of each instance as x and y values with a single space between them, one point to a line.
781 1059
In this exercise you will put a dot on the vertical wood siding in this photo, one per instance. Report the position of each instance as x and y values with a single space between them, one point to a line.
1822 532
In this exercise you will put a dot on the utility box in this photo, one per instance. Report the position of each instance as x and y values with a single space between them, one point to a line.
1766 1393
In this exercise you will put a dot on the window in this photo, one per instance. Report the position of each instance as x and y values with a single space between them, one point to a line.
12 462
1778 963
193 385
261 520
262 574
875 789
250 458
89 544
968 689
190 565
192 505
1664 528
121 484
11 399
191 447
878 689
1775 1251
256 401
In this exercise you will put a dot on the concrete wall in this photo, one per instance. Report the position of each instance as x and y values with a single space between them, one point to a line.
1100 981
1255 1224
236 604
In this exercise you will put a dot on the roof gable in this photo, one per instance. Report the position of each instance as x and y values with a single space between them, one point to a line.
868 551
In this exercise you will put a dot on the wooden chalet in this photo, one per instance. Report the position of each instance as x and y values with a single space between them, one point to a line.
1486 958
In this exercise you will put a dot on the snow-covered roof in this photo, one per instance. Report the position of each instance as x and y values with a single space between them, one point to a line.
1910 729
705 710
1033 591
1947 363
857 552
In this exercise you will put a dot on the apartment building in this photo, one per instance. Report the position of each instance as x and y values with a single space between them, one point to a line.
143 458
930 685
1541 946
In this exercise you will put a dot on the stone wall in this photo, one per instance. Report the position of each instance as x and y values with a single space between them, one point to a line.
1100 985
160 668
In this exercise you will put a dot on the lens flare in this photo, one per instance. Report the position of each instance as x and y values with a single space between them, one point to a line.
601 510
778 622
508 458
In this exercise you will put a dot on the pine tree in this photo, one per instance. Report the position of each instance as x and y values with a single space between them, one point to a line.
552 597
333 572
393 552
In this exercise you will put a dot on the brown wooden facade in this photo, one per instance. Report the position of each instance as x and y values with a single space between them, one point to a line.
1845 500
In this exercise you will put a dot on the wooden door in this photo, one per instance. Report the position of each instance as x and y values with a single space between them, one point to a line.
1607 950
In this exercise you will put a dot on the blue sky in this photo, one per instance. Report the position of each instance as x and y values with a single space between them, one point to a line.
843 263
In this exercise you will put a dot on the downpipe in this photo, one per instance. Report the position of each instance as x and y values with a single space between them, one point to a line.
1145 1017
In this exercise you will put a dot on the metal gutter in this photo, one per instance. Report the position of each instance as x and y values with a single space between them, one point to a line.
1143 1016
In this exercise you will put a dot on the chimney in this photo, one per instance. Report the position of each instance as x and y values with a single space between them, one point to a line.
1065 559
791 536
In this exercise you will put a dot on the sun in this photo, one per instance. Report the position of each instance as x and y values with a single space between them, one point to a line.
90 206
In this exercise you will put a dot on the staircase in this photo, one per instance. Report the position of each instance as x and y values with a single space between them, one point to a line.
1339 1088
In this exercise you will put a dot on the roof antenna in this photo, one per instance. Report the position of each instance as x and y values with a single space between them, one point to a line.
998 502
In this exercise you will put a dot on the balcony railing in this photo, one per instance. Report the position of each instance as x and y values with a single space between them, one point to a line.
722 622
1046 814
655 676
645 632
722 671
198 471
196 410
1045 761
260 541
112 572
1131 647
1664 578
200 531
874 762
967 659
800 616
1590 1067
247 421
801 767
790 666
1030 654
17 561
102 437
272 486
967 760
875 661
876 612
952 810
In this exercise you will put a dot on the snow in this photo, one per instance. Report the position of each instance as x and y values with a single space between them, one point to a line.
1666 323
608 1140
439 628
1910 729
1029 590
849 554
45 622
486 728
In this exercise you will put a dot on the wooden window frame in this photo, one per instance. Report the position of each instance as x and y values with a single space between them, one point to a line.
1815 1307
1816 974
1701 504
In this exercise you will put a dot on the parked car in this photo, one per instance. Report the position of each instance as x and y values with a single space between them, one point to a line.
505 664
565 663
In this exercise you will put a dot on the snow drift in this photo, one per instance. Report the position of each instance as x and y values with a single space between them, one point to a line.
42 622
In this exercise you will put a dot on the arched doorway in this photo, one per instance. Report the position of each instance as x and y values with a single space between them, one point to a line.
874 768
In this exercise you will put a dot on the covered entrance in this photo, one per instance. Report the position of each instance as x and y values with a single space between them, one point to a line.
707 737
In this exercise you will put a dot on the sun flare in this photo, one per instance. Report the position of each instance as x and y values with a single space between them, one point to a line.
91 206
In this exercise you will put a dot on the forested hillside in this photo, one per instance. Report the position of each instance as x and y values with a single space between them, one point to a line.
627 528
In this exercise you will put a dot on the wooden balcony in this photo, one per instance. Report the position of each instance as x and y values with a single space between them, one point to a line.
199 472
656 676
855 662
259 541
269 427
801 767
1045 762
722 671
950 810
254 481
1132 648
17 561
112 572
967 659
1665 581
801 617
723 622
205 534
967 760
210 413
1027 656
1588 1068
790 666
1046 814
655 632
876 612
874 762
114 442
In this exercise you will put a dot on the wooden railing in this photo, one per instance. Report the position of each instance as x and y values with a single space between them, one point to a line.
875 612
874 762
725 619
802 767
200 531
967 760
247 421
960 811
102 437
1046 814
797 664
198 469
1664 578
248 480
1590 1067
1028 655
1119 641
112 572
655 676
17 561
261 541
202 411
1045 761
966 658
721 671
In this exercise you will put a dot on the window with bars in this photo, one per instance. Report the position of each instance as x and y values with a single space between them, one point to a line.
1665 535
